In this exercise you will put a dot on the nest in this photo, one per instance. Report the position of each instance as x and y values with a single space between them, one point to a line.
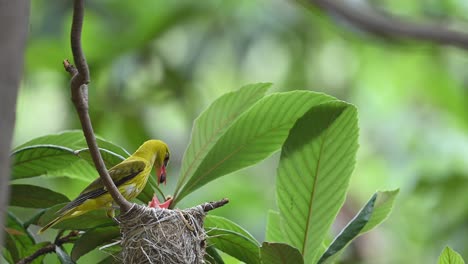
164 236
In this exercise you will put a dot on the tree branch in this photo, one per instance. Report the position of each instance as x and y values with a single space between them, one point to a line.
79 95
49 248
384 25
213 205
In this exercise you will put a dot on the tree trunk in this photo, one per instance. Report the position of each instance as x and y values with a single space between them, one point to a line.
13 31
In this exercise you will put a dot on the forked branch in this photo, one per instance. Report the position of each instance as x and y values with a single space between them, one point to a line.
79 93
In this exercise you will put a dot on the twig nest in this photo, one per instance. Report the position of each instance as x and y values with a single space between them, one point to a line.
163 236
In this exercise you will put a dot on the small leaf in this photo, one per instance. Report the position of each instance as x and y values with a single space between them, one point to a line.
255 135
86 221
279 253
63 256
372 214
213 123
382 208
315 166
31 196
450 256
92 239
273 229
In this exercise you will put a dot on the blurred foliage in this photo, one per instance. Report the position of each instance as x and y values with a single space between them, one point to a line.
156 65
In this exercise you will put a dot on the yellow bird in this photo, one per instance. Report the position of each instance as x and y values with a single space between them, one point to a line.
130 177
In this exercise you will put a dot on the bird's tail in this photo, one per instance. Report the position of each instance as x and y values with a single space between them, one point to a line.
54 222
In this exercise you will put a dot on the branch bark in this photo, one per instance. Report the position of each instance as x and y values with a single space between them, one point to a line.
49 248
384 25
79 95
213 205
13 27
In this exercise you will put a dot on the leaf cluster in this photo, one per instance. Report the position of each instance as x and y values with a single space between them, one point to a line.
318 138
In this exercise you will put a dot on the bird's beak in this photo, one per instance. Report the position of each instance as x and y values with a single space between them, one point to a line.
161 174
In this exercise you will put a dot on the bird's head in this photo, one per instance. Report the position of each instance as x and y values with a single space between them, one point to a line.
159 151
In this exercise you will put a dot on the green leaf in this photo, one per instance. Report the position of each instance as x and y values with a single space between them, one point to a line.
212 256
39 160
234 244
109 260
31 196
110 158
73 139
450 256
382 208
63 256
92 239
86 221
279 253
373 213
18 240
218 222
34 219
273 229
213 123
63 154
232 239
316 163
67 139
255 135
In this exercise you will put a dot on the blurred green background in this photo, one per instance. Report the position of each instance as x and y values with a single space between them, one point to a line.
155 65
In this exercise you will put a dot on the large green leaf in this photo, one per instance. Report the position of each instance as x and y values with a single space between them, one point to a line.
213 123
254 136
450 256
372 214
232 239
62 155
92 239
234 244
31 196
218 222
69 139
86 221
279 253
273 228
40 159
73 139
316 163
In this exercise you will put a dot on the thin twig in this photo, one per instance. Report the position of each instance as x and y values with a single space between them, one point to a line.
213 205
79 94
390 26
49 248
